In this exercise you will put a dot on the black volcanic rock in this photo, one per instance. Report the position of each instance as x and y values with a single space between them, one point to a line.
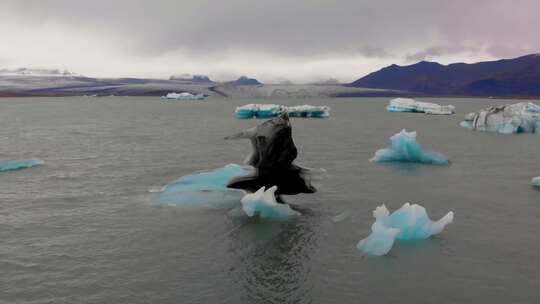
508 77
245 81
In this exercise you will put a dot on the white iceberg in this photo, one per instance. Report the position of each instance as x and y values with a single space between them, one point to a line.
264 205
272 110
404 148
408 223
523 117
536 182
411 105
184 96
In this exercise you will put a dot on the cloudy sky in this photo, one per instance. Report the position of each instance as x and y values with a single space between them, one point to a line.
272 40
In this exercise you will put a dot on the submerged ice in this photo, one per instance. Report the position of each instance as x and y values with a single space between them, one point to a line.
273 110
263 204
410 222
405 148
205 189
523 117
411 105
19 164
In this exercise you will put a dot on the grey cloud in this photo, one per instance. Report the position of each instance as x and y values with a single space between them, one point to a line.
299 31
441 50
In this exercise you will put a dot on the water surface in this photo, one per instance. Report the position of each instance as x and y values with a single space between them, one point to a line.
82 228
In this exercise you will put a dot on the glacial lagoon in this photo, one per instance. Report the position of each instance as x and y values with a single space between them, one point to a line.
85 227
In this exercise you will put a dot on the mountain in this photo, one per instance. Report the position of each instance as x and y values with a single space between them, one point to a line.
245 81
191 78
507 77
38 73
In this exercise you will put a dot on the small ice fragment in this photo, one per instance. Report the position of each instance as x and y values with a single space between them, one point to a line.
263 203
410 222
411 105
340 217
522 117
19 164
536 182
405 148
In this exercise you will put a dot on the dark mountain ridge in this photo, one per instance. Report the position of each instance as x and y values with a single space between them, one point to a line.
506 77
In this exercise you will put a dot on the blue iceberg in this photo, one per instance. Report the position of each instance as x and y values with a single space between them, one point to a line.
405 149
19 164
206 189
273 110
263 204
258 111
408 223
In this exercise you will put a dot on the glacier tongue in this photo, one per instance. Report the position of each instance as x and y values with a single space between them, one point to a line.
410 222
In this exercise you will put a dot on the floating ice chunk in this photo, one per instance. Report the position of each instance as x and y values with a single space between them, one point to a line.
382 237
258 111
536 182
410 222
263 203
206 189
411 105
523 117
19 164
184 96
405 149
309 111
414 223
273 110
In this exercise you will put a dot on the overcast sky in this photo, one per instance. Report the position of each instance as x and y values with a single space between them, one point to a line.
271 40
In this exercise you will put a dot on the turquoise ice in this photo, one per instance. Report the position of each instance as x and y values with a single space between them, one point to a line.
264 205
206 189
382 237
405 148
19 164
410 222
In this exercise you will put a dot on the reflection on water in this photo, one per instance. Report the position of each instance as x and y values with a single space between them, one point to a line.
272 260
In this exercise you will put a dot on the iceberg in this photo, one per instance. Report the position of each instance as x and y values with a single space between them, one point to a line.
523 117
536 182
404 148
19 164
184 96
408 223
258 111
273 110
206 189
264 205
308 111
411 105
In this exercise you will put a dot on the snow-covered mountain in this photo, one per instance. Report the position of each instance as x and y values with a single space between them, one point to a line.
38 72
